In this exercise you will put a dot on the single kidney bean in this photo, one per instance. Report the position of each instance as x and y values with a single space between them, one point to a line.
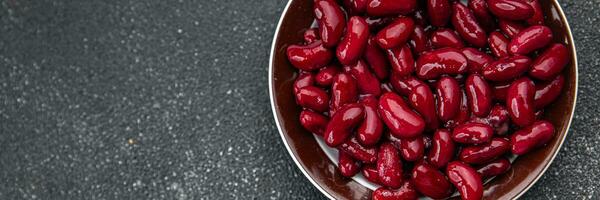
367 82
538 14
439 12
331 19
466 25
390 7
463 112
550 63
419 40
341 124
370 173
355 7
359 152
386 87
530 39
510 9
511 28
404 84
310 57
377 23
519 101
405 192
389 166
507 68
479 95
353 44
531 137
311 35
370 130
400 119
442 150
326 75
344 89
432 64
472 133
448 98
498 119
396 33
466 180
402 60
494 168
412 149
484 153
476 59
312 97
313 122
377 59
446 38
498 44
430 182
422 100
499 89
303 80
482 14
347 165
547 92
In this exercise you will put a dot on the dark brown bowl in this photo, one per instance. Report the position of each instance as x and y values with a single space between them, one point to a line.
322 172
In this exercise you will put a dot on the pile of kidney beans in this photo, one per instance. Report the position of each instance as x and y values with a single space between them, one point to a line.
428 99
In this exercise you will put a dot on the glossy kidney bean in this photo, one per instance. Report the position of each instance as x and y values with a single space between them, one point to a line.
347 165
531 137
405 192
359 152
304 79
399 117
494 168
466 180
506 68
510 28
466 25
367 82
370 130
499 89
370 173
313 122
510 9
547 92
389 166
482 14
309 57
377 59
476 59
448 98
550 63
446 38
355 7
479 95
341 124
344 89
530 39
472 133
311 35
484 153
390 7
538 14
412 149
439 12
331 21
419 40
402 60
404 84
519 101
498 44
498 119
442 150
353 44
422 100
432 64
326 75
463 112
312 97
430 182
396 33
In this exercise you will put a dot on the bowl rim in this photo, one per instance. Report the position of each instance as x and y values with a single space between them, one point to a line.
570 39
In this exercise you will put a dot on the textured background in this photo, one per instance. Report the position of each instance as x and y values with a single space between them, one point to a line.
168 100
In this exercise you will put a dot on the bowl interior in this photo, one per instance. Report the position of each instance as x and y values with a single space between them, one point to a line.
323 173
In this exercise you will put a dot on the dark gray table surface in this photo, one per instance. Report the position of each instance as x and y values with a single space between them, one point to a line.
168 100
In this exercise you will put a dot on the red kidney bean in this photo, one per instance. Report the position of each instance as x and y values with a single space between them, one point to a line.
400 119
367 82
485 153
422 100
355 7
482 14
448 98
405 84
538 14
326 75
331 19
479 95
494 168
341 124
377 23
463 112
312 97
466 180
402 60
370 130
498 44
313 122
432 64
344 89
419 41
530 39
510 9
507 68
442 150
439 12
466 25
547 92
519 101
472 133
310 57
303 80
430 182
405 192
370 173
359 152
389 166
550 63
498 119
476 59
377 59
353 44
531 137
386 87
311 35
390 7
396 33
511 28
446 38
499 89
347 165
412 149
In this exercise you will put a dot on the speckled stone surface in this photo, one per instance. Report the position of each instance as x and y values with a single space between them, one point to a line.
168 100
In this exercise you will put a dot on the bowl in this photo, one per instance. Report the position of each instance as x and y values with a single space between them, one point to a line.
322 172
